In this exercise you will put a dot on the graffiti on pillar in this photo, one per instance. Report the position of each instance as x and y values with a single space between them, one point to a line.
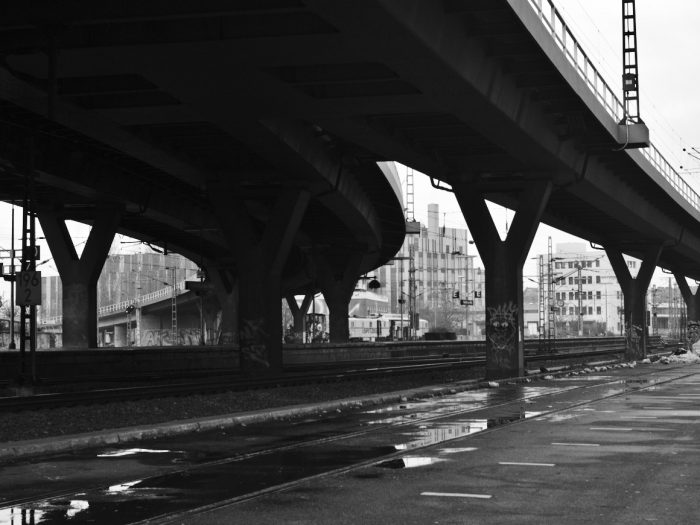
633 333
501 330
693 333
164 337
252 342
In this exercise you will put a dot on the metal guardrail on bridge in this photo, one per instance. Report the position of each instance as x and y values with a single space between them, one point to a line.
120 307
565 40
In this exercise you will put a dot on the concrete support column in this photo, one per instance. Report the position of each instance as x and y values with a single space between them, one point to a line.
120 335
337 283
692 304
298 313
503 261
79 275
226 289
634 291
260 259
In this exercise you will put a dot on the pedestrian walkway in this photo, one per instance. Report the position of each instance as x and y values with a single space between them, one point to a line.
610 456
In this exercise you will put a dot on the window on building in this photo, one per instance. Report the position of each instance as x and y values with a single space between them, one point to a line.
590 310
597 295
597 279
632 264
590 295
590 279
557 295
571 310
571 280
597 263
589 264
571 264
571 296
598 311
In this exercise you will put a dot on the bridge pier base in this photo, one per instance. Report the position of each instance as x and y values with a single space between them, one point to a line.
79 275
503 261
692 304
259 262
337 282
634 291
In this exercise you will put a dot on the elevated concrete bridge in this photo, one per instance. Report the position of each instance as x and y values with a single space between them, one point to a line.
246 135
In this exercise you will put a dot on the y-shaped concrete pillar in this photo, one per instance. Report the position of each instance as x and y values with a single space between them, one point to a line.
692 304
260 258
79 275
337 282
634 291
298 313
504 262
226 289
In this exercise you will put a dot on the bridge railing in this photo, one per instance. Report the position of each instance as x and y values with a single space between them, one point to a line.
566 41
120 307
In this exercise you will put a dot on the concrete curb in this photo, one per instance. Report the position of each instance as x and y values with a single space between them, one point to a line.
118 436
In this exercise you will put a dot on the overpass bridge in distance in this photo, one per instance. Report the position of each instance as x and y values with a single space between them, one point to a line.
495 98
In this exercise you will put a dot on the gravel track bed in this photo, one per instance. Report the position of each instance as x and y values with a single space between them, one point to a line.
77 419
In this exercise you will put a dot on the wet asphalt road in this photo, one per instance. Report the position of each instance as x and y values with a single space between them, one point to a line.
281 472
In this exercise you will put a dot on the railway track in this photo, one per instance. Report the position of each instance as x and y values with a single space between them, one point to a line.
296 375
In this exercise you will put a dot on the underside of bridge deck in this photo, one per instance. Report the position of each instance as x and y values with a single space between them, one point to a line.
157 105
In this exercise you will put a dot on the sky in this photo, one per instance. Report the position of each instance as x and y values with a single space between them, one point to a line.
667 41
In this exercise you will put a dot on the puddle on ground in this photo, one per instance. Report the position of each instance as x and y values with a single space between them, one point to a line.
431 434
458 450
134 451
410 462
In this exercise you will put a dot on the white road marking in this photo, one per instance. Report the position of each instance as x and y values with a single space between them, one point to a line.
526 464
577 444
456 495
617 429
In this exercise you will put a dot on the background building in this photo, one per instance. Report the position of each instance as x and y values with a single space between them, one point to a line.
588 301
432 275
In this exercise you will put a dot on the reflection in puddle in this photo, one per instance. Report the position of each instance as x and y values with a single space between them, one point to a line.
75 506
44 512
458 450
17 516
563 416
123 488
131 452
431 434
410 462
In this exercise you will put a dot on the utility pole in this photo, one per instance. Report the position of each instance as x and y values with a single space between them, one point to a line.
173 307
541 304
630 77
580 307
551 319
12 345
401 299
412 293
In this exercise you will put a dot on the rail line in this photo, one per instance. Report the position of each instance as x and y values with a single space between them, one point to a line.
296 375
